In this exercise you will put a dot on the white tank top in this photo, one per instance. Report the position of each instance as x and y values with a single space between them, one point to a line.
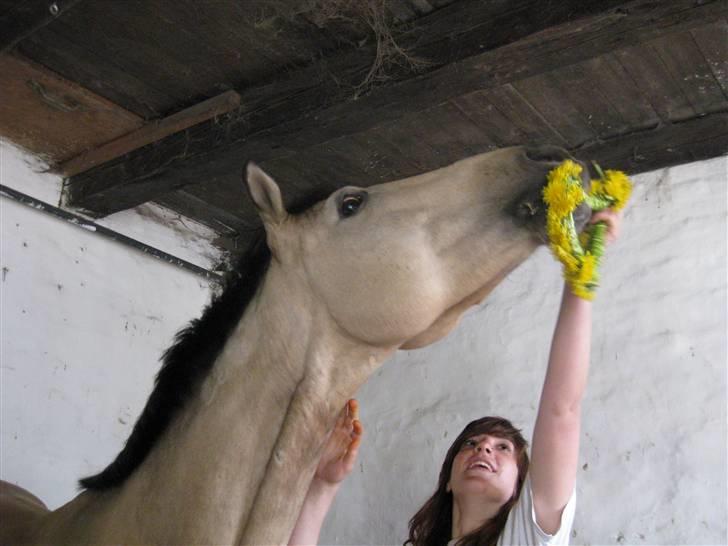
521 528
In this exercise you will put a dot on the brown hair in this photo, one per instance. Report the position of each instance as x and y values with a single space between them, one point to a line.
432 524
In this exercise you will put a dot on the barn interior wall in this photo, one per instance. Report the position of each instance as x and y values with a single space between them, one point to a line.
84 321
149 223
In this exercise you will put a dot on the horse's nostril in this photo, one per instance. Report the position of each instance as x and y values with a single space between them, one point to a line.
549 154
527 209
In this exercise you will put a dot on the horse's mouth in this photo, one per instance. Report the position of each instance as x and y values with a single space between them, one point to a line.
529 210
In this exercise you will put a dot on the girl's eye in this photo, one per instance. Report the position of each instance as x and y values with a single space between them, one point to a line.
505 447
469 443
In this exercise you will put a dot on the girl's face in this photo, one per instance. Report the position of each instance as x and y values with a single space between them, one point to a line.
485 466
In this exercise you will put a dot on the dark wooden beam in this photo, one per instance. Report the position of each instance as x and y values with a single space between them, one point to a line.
218 219
151 132
664 146
470 49
24 18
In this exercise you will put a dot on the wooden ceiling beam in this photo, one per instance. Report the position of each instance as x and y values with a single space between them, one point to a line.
151 132
470 49
666 145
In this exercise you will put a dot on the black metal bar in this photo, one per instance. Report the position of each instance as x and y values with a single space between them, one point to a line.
88 225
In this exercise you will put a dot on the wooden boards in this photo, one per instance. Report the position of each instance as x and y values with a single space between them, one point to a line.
665 145
19 20
53 117
151 132
298 112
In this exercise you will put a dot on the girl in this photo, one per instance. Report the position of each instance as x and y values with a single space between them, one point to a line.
488 492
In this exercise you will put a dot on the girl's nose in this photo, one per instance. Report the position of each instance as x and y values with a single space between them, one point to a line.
483 447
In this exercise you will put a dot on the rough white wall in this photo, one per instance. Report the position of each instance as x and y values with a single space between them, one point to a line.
653 455
83 321
149 223
78 362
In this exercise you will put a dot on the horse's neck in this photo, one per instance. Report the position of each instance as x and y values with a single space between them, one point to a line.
235 466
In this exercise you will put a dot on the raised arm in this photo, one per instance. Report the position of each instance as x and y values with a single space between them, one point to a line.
555 449
337 462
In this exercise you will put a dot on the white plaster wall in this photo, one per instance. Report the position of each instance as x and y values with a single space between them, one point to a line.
653 455
83 321
151 224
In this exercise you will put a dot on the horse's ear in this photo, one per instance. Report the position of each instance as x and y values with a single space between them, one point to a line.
265 194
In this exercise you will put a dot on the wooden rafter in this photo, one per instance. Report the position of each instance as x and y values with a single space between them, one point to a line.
151 132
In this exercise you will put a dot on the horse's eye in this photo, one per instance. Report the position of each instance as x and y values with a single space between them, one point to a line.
351 204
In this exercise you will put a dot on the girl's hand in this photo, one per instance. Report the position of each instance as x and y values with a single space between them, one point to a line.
339 453
613 219
337 461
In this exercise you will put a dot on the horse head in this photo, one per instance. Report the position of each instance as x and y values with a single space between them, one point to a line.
396 264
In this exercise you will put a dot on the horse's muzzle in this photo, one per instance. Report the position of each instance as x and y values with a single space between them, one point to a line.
529 208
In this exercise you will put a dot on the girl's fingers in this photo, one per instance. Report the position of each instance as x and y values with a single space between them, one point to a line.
350 456
607 215
345 411
349 412
351 453
353 408
612 219
347 426
357 429
340 420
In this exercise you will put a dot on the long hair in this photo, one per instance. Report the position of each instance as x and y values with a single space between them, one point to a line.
432 524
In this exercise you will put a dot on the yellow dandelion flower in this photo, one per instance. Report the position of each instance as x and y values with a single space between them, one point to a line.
561 198
557 231
588 268
597 187
583 292
563 191
618 187
562 194
569 261
567 169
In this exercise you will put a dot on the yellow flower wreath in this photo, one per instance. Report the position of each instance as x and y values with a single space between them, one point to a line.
580 254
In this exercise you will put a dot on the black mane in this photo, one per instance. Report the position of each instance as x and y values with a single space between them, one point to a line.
190 358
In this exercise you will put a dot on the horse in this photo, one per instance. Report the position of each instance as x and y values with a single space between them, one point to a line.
228 442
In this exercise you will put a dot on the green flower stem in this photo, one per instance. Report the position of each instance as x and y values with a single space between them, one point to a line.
573 236
598 202
597 236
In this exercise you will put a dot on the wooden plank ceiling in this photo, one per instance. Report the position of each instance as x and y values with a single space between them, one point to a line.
636 85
